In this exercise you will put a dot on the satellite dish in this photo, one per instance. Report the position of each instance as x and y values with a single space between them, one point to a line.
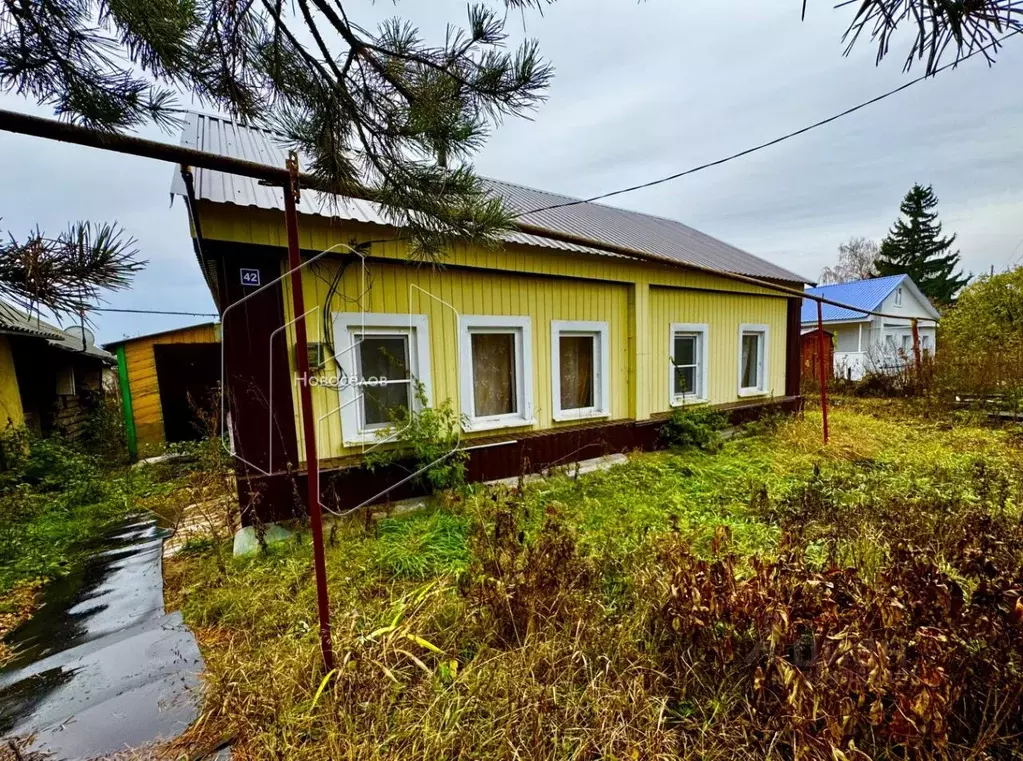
81 336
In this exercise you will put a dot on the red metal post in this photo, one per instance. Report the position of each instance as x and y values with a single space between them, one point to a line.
917 360
822 361
312 462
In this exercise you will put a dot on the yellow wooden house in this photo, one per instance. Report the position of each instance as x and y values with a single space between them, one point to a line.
51 378
553 348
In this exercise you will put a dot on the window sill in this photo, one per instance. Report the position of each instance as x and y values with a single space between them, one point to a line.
743 392
574 415
685 401
370 437
494 424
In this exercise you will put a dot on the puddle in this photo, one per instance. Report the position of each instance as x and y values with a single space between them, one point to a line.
117 587
99 666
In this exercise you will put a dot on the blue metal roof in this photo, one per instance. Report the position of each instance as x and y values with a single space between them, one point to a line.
865 294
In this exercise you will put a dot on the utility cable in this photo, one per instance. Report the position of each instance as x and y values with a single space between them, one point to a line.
769 143
155 311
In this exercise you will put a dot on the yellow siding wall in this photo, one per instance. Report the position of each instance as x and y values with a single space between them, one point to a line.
723 315
10 398
463 292
638 299
142 381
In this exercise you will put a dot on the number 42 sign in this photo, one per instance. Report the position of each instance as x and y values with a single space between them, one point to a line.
250 277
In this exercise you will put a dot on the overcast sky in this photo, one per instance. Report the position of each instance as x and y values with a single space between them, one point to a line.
640 91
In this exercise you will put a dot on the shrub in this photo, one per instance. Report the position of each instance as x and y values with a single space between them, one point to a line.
44 463
427 439
980 344
832 666
519 582
103 433
694 427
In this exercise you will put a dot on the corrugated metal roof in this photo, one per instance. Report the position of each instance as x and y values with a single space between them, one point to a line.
603 225
17 321
13 320
864 294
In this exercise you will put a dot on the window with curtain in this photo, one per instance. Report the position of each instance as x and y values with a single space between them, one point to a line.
385 360
752 360
580 369
576 355
494 374
495 358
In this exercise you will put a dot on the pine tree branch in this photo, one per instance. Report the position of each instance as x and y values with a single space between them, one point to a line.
67 274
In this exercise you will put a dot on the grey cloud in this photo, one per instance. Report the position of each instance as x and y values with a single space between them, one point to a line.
644 90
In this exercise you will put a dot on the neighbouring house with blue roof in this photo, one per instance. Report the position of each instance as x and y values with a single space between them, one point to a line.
865 342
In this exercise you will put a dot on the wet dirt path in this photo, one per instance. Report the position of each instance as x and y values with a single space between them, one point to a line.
100 667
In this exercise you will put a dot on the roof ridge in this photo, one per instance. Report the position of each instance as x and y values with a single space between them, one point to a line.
577 201
599 223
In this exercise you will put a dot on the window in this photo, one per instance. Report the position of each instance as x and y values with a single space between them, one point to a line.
925 343
687 367
381 358
898 296
66 381
907 344
496 368
752 359
579 369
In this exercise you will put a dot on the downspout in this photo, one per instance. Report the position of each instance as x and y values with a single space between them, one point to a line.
126 406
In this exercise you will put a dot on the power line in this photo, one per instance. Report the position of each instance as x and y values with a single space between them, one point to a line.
156 311
769 143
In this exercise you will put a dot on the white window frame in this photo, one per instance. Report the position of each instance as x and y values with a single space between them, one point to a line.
898 296
703 331
415 327
601 368
765 342
521 328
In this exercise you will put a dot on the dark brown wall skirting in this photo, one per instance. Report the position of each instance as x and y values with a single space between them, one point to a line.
280 497
793 347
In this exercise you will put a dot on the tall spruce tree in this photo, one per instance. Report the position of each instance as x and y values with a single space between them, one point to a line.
915 247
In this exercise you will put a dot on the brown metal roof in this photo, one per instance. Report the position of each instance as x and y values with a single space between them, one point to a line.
603 225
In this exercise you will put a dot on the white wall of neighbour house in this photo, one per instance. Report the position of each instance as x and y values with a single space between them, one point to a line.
883 343
894 343
851 339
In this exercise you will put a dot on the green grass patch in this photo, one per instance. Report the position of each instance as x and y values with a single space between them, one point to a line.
56 502
636 612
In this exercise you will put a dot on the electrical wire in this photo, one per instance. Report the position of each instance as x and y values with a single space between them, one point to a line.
769 143
1013 259
155 311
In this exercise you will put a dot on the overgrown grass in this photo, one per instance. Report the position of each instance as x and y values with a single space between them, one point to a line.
55 502
686 605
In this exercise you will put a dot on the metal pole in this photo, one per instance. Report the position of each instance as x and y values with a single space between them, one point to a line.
312 463
822 361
